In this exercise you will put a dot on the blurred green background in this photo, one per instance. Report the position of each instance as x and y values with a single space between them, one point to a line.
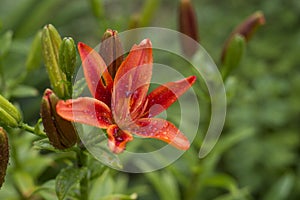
257 156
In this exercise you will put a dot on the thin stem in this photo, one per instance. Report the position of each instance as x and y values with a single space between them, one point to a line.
32 130
82 162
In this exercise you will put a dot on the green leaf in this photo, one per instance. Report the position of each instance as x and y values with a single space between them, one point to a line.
24 182
282 188
22 91
67 178
44 144
34 58
47 190
102 186
222 181
5 41
79 87
165 185
120 197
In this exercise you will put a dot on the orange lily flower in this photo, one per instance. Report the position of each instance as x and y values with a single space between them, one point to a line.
122 105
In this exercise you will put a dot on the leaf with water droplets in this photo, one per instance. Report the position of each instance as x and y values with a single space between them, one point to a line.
67 178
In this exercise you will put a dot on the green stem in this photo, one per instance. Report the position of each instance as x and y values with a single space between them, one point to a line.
32 130
2 77
82 162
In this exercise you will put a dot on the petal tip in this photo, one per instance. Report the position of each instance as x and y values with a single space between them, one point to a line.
145 43
192 79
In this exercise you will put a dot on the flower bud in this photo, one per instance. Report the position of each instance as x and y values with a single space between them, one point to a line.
9 114
188 26
4 154
51 42
111 51
246 29
61 133
234 53
67 57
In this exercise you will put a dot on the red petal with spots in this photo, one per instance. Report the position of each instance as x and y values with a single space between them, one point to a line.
164 96
117 139
131 83
85 110
97 77
160 129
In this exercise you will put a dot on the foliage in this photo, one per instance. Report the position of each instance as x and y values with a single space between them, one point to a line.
257 156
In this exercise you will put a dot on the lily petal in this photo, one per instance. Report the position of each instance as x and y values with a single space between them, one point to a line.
97 77
85 110
160 129
164 96
131 82
117 138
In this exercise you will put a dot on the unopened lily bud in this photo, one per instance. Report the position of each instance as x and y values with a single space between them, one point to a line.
67 57
188 26
61 133
4 154
9 114
111 51
234 53
51 42
246 29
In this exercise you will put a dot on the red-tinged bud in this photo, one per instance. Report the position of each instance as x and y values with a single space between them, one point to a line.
61 133
4 154
246 29
188 26
111 51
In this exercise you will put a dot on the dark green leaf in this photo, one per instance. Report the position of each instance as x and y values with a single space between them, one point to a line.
67 178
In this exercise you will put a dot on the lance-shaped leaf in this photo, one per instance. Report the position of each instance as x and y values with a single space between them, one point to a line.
99 81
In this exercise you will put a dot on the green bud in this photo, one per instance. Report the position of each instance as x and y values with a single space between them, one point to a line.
188 26
111 51
9 114
51 42
233 54
34 57
246 29
61 133
4 154
67 57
